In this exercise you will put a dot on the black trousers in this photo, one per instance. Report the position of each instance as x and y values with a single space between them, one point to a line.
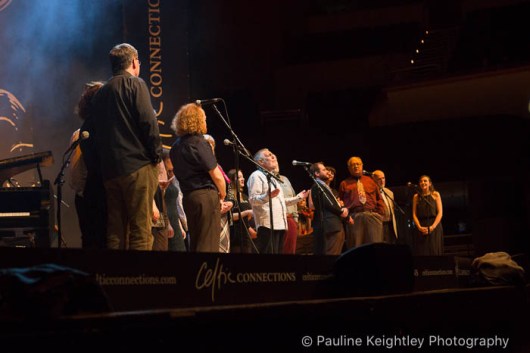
204 219
270 243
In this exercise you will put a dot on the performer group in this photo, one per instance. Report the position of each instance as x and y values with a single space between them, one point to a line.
132 194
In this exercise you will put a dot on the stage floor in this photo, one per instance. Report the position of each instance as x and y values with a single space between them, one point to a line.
456 320
81 300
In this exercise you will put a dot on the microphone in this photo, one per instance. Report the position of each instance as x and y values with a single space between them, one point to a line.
365 172
207 101
298 163
82 136
227 142
410 185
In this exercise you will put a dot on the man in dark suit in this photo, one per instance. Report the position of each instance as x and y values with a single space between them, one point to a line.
327 223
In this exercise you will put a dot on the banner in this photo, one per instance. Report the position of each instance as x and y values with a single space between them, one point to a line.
146 280
159 29
156 280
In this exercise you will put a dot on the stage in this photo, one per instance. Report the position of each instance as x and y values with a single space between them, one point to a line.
133 301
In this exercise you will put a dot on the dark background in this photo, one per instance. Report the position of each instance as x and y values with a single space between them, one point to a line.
315 81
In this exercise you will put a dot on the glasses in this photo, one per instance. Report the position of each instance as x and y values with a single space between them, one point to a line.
139 62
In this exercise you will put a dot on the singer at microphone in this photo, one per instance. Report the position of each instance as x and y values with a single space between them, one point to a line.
298 163
208 101
271 195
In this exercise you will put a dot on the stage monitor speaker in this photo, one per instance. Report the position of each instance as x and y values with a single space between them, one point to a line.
375 269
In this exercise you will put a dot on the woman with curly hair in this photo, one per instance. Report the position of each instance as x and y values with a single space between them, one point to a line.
201 181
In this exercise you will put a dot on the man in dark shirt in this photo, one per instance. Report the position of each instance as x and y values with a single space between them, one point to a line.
128 142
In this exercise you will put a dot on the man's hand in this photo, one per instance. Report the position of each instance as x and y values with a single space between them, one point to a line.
170 231
275 192
303 194
156 213
247 214
165 183
226 206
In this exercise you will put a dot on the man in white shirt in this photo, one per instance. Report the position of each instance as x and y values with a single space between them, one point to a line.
269 234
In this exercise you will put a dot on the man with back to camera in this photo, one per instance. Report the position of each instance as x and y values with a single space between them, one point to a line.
128 142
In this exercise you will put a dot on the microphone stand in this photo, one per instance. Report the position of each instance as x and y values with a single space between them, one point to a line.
318 185
243 227
271 242
270 182
393 201
236 140
59 181
236 146
238 196
240 150
418 191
